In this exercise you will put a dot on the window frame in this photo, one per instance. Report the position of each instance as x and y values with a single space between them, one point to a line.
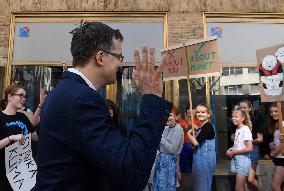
58 16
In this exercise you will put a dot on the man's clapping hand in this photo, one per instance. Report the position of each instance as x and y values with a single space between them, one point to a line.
148 79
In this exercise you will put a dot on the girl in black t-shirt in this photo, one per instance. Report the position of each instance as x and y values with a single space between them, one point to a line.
204 155
13 126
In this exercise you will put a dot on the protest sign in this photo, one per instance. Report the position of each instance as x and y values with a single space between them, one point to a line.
194 59
270 63
20 166
176 63
203 58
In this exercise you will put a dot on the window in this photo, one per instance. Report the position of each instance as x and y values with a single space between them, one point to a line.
253 89
35 78
226 71
252 70
232 71
233 90
258 31
128 98
238 71
40 66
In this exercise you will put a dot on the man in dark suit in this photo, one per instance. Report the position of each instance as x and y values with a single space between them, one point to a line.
80 149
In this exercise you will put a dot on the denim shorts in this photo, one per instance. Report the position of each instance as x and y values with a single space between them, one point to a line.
254 155
240 164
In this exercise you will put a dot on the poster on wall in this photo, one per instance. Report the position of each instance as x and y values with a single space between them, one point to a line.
201 56
20 166
270 62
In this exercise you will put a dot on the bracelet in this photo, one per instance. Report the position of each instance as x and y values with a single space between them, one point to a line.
9 138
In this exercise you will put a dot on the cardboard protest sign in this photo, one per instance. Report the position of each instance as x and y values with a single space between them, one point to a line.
21 168
203 58
270 63
176 63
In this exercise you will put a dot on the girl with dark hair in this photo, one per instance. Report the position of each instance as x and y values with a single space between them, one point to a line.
13 126
113 111
115 116
204 155
278 159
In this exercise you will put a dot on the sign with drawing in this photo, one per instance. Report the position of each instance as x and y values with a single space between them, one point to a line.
270 63
21 168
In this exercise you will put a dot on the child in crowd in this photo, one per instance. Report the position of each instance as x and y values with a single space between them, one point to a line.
257 139
204 155
115 116
186 155
165 168
278 159
241 163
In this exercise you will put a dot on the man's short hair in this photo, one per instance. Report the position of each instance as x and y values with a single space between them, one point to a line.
90 38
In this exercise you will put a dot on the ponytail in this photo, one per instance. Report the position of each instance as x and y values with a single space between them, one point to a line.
247 120
246 116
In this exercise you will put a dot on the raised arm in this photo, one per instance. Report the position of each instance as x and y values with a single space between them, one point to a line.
42 96
127 160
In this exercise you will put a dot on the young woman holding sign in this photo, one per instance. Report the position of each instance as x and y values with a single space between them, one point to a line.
13 126
204 155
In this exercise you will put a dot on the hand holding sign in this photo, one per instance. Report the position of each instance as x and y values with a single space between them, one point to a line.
20 166
18 137
148 79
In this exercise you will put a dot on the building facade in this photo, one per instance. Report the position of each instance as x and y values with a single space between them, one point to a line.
241 27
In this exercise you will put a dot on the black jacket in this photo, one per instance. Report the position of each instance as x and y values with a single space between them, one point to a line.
80 149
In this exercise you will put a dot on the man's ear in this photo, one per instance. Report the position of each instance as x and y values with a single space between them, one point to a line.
99 58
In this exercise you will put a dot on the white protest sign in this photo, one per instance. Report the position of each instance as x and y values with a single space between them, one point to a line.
270 63
20 166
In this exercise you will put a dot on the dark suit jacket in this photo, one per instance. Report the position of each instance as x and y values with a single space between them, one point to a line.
80 149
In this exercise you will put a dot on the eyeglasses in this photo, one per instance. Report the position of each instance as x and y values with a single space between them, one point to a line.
22 96
120 57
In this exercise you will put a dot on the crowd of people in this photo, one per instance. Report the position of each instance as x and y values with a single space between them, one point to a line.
197 157
83 144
